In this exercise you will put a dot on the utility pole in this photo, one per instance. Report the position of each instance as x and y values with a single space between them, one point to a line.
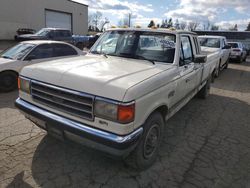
129 19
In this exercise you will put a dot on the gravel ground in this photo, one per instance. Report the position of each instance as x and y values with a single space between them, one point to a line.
206 144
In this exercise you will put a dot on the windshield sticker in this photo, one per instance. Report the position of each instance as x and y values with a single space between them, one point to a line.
167 44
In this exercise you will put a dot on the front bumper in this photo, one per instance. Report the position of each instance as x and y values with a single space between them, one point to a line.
67 129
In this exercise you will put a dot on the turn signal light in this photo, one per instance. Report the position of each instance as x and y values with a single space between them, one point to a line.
126 114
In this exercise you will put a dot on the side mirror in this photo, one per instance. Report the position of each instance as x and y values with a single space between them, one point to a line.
30 57
200 58
227 47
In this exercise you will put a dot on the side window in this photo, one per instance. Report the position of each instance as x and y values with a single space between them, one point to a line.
223 43
63 50
186 55
57 33
196 45
41 52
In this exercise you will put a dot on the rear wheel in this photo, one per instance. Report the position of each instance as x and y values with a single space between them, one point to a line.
147 149
8 81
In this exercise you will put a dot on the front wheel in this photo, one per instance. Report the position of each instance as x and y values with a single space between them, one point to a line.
204 92
226 66
147 149
8 81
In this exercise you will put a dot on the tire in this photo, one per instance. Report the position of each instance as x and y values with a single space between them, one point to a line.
146 151
204 92
226 66
218 71
8 81
213 76
241 59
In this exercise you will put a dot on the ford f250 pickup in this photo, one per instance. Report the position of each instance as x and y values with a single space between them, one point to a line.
210 44
118 97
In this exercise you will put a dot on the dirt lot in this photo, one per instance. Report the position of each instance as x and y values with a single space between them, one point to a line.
206 144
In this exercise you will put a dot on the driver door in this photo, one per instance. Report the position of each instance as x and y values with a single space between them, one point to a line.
187 68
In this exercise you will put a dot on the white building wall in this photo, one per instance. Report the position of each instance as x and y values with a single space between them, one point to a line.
16 14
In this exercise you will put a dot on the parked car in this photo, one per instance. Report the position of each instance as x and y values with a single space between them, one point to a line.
23 31
57 34
210 44
28 53
238 52
118 97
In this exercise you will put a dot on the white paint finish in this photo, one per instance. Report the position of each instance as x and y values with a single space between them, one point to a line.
223 53
17 65
121 79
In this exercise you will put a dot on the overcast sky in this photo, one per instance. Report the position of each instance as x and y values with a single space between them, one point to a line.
221 12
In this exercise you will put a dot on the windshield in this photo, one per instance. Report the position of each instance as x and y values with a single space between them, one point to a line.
233 45
18 51
152 46
210 42
42 32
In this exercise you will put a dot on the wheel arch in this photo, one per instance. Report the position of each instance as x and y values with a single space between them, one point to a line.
162 109
13 71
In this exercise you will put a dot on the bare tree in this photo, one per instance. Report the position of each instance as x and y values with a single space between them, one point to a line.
183 25
206 26
192 26
94 20
103 23
233 28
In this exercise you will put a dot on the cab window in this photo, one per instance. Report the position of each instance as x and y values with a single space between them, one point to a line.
186 55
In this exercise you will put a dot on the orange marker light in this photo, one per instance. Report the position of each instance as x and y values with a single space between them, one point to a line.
126 114
19 83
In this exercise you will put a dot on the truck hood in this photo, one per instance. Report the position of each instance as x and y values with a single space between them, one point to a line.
4 61
106 77
209 50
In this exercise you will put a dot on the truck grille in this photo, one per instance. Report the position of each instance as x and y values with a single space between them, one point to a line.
68 101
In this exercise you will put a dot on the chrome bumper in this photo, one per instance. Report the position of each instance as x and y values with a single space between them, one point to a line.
71 130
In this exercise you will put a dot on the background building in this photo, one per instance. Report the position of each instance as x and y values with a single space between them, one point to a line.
37 14
232 36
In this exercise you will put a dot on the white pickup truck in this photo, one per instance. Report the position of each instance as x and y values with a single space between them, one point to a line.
118 98
211 44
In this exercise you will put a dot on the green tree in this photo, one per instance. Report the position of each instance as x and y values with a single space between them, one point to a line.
248 27
214 28
151 24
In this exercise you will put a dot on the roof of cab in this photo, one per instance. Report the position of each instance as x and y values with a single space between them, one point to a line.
211 36
38 42
160 30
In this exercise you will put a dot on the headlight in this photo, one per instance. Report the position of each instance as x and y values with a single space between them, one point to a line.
24 84
119 112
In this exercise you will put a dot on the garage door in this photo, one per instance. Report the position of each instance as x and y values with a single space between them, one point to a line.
58 19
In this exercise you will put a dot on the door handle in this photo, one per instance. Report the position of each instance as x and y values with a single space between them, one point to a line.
187 80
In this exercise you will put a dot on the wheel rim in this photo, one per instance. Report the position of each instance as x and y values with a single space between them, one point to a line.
151 141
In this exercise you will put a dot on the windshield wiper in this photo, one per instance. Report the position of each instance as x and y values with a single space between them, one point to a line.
96 52
143 58
128 55
6 57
